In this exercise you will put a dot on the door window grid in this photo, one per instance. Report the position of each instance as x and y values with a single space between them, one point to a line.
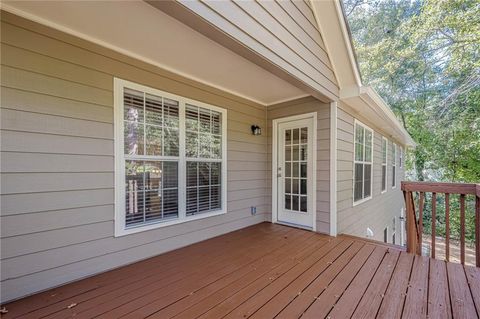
295 151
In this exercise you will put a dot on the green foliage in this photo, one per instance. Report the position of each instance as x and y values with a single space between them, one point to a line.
423 57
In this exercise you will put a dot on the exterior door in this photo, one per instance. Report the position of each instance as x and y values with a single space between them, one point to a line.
295 172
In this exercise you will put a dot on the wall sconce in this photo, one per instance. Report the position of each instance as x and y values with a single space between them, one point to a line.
256 130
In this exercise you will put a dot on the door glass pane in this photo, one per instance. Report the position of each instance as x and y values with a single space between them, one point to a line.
303 204
288 202
303 169
304 135
288 153
288 185
303 152
295 152
296 135
295 186
288 137
303 187
288 169
295 202
295 170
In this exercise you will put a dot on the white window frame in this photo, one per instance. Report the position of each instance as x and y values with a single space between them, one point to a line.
384 139
366 127
394 165
120 226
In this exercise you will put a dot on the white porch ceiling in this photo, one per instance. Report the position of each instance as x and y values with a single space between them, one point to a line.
136 29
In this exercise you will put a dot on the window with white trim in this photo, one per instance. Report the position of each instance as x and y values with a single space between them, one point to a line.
362 189
384 163
394 166
401 157
170 158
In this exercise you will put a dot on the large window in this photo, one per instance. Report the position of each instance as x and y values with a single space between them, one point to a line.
384 164
394 166
363 158
170 158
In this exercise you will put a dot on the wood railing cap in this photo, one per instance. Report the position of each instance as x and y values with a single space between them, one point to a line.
436 187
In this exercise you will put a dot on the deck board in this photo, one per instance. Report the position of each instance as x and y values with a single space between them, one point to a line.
268 271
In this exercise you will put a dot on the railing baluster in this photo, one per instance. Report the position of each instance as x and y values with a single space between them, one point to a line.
434 213
462 229
447 226
420 222
477 228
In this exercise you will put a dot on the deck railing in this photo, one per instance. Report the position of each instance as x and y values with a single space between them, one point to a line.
415 194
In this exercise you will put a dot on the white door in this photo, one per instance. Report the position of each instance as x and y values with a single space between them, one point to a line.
295 174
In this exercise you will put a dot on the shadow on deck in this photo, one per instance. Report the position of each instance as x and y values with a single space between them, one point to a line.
267 271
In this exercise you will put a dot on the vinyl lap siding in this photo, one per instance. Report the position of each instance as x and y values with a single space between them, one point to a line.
378 212
301 106
283 32
57 187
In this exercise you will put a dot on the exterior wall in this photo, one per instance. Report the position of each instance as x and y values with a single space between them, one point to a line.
301 106
57 187
378 212
285 33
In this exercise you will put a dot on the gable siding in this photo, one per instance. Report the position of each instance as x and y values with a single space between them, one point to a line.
284 32
57 143
378 212
302 106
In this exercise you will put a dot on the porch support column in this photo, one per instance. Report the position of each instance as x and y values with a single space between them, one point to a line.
333 168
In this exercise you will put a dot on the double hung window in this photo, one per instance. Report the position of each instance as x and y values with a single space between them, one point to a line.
170 158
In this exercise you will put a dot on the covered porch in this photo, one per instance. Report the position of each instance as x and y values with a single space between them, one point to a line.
267 271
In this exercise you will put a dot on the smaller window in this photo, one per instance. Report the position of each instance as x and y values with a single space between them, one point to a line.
393 230
401 157
394 166
384 163
385 235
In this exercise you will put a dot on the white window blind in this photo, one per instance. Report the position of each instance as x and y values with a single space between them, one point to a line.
170 158
363 158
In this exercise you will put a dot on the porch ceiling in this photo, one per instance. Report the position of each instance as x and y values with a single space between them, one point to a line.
136 29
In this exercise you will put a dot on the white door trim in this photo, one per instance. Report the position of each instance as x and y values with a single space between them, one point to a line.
276 122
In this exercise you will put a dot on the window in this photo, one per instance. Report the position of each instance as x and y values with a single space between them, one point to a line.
394 166
170 158
362 189
384 163
401 157
393 230
385 235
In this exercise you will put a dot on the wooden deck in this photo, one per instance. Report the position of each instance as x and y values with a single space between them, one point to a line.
267 271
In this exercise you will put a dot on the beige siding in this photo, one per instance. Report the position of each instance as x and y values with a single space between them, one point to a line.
57 199
378 212
284 33
301 106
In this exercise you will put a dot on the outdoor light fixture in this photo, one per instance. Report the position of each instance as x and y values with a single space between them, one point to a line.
256 130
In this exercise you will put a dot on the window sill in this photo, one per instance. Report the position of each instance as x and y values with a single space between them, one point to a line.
361 201
122 231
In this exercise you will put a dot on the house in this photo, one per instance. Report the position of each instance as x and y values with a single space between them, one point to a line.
131 129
